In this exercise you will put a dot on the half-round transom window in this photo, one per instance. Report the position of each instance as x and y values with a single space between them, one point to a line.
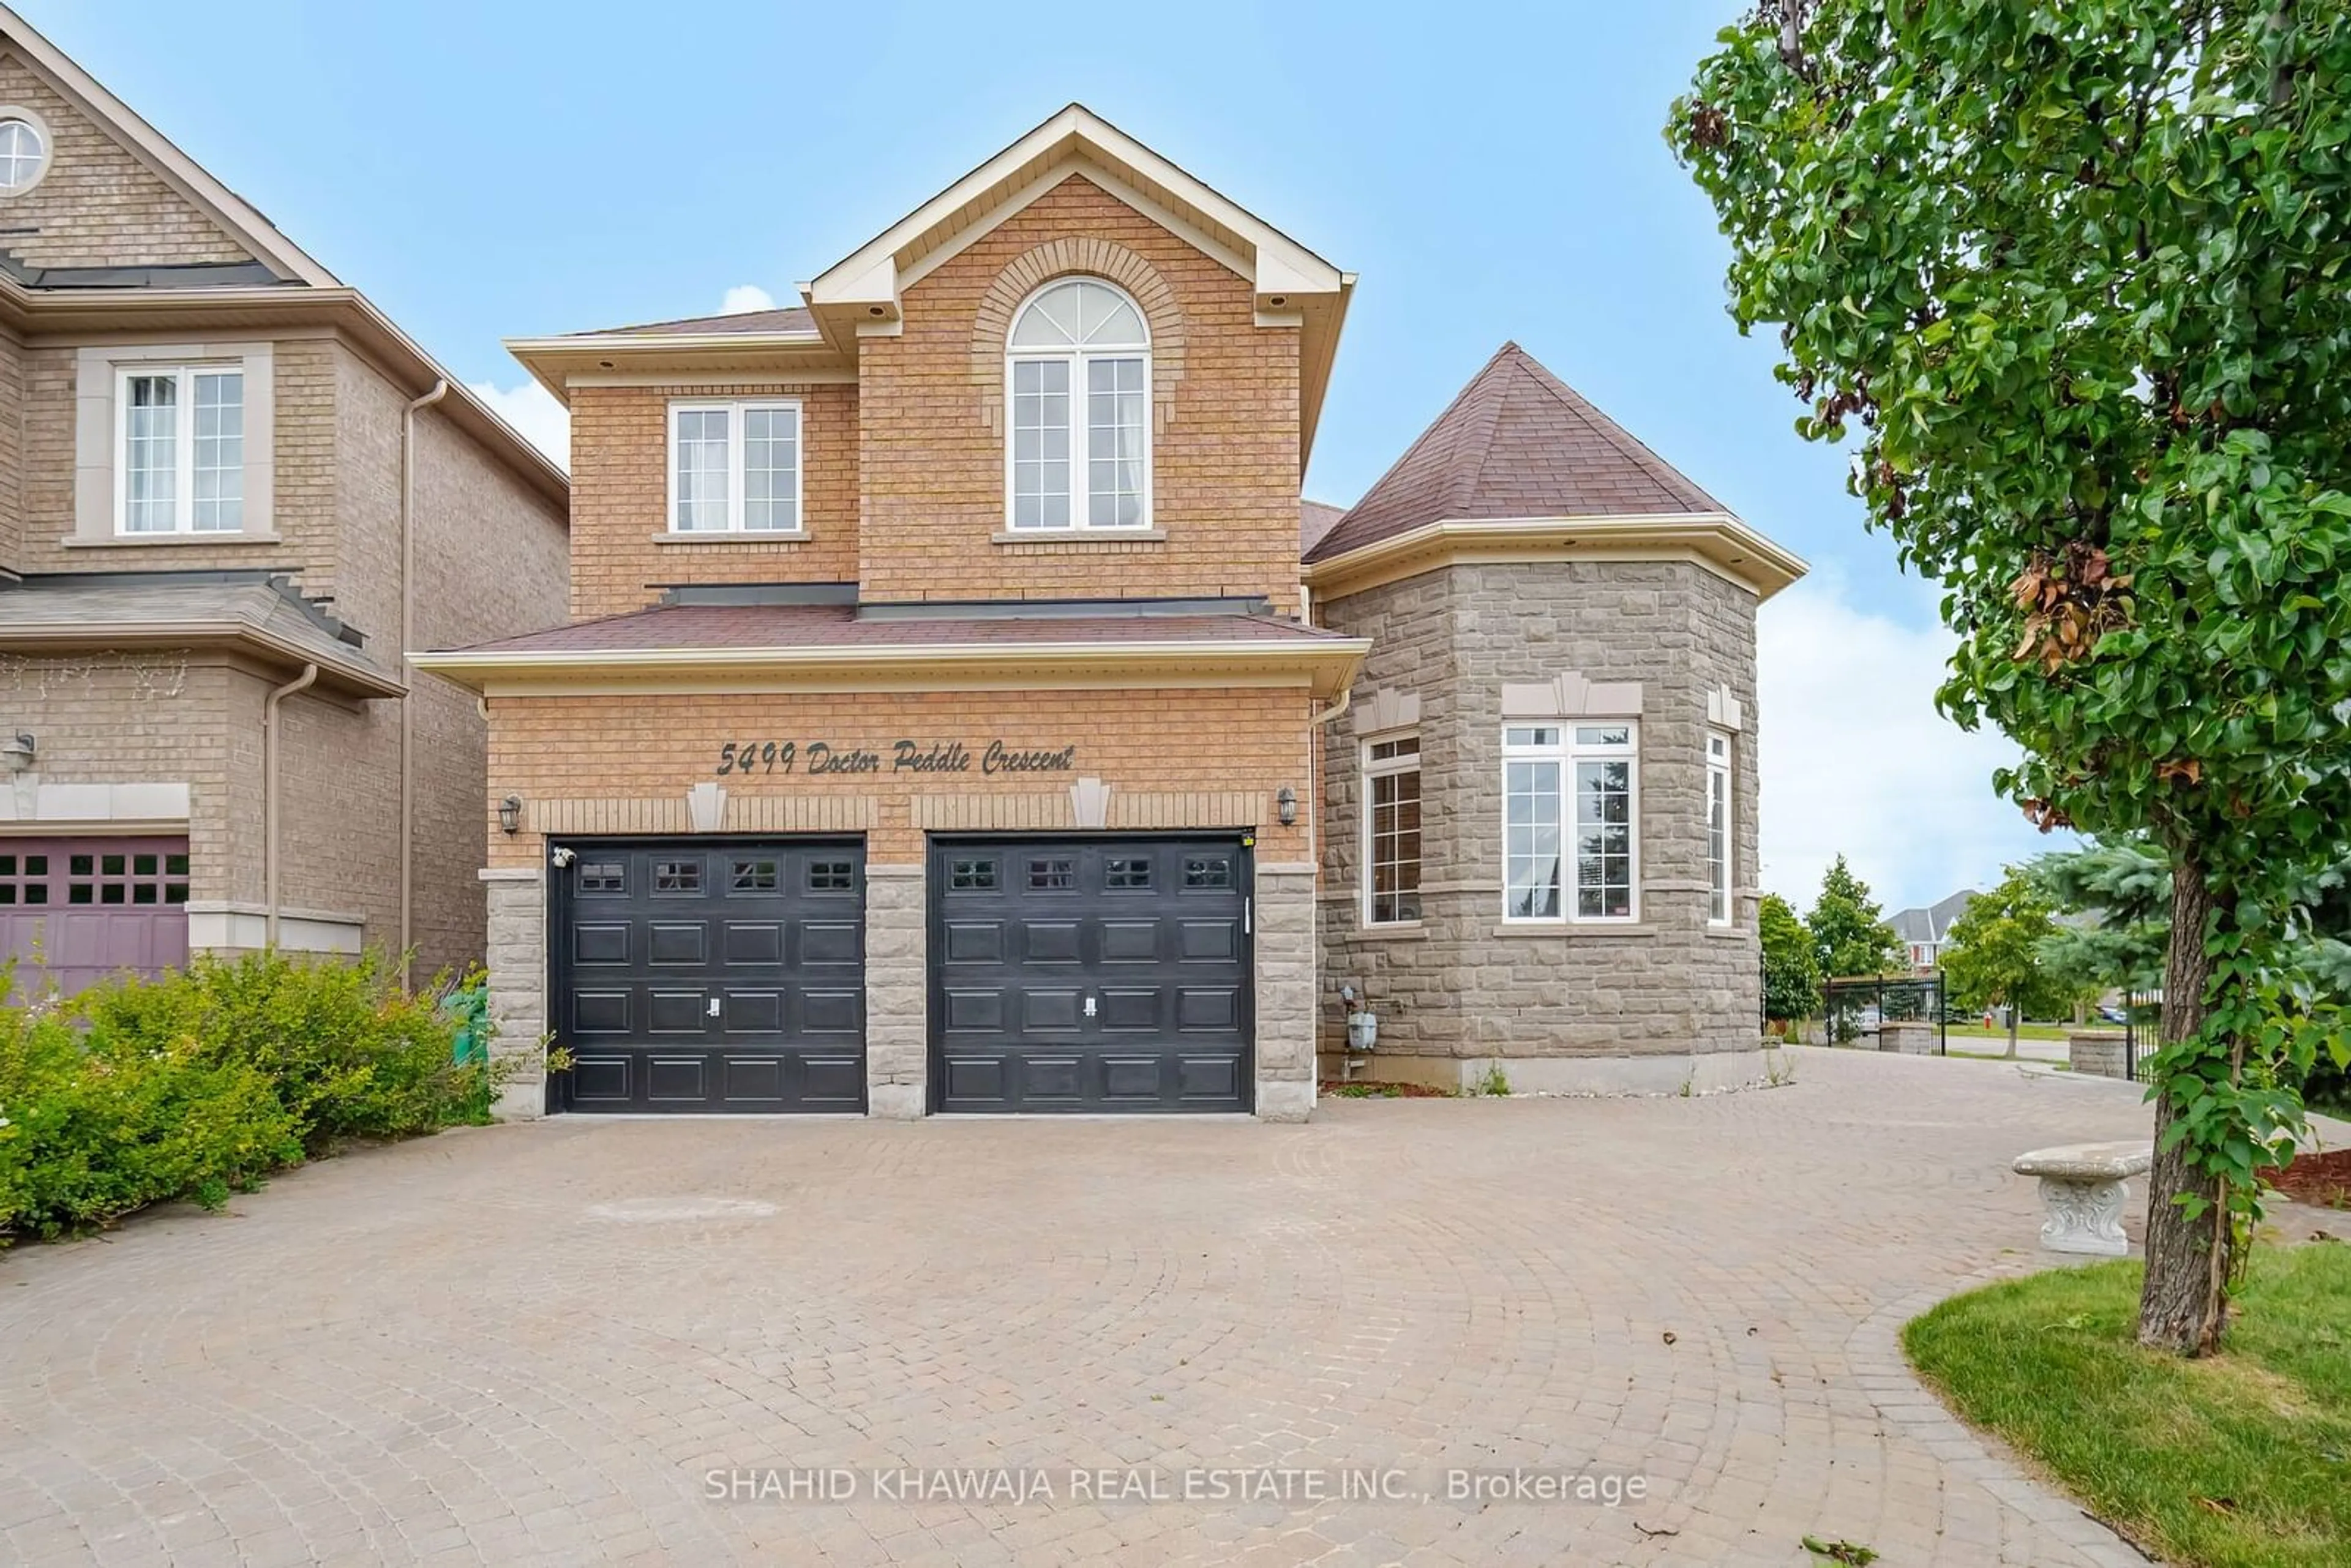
23 153
1078 369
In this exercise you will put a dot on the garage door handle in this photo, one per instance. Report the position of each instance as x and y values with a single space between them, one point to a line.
1248 914
713 1007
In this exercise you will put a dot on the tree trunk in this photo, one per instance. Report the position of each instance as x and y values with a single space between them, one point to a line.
2184 1304
2014 1013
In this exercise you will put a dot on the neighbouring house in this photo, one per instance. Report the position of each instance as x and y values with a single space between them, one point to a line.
231 492
1924 929
959 711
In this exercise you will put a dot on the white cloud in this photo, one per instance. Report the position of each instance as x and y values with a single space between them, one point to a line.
1855 759
532 410
745 297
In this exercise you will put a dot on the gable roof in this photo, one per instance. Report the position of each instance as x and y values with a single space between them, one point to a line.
1517 442
239 217
1932 921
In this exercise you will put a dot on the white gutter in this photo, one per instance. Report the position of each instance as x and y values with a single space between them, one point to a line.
851 654
272 746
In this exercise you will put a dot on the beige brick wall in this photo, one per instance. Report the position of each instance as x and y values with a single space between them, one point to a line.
11 451
1225 446
620 499
1148 741
98 205
303 450
148 717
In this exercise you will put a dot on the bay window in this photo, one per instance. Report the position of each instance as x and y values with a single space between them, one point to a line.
1570 806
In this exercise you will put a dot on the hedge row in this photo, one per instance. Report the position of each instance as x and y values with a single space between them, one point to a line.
201 1082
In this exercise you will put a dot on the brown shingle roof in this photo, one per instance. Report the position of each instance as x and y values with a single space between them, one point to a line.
1518 442
791 319
1315 518
723 626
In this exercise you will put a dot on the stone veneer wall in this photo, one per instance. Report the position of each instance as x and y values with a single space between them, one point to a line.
897 992
1462 988
1283 943
517 980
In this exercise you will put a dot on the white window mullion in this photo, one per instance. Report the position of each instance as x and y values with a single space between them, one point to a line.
737 442
184 481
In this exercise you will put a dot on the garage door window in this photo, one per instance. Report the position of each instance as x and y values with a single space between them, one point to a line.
1127 875
971 876
103 878
1206 871
832 877
677 876
24 879
1052 874
752 877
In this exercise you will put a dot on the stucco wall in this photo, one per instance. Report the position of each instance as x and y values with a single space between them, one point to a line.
1466 985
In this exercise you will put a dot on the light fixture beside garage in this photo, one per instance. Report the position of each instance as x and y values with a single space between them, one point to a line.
1286 803
19 752
510 814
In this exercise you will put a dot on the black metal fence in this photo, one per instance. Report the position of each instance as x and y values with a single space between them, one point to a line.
2140 1009
1856 1006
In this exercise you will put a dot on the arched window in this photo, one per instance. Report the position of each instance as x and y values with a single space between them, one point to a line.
1078 373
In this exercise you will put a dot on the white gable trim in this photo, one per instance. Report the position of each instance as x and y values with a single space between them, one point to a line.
869 275
175 167
1109 184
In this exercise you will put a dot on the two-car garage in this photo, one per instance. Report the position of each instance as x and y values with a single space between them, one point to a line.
1091 973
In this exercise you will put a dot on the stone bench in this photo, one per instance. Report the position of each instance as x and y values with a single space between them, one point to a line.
2083 1187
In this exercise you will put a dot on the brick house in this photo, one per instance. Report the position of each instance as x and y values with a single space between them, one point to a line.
946 720
230 490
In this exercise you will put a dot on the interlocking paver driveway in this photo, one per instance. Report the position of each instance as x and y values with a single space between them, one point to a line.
531 1343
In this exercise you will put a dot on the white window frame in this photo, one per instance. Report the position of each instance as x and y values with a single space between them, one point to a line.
737 445
1722 878
1567 751
1080 466
184 446
1369 768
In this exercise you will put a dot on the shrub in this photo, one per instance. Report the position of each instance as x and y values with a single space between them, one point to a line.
201 1082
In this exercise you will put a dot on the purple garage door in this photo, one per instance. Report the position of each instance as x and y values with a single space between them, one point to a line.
74 911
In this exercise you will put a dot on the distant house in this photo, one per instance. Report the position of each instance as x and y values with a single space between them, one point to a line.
1924 929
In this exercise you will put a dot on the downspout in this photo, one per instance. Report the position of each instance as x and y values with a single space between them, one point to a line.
271 747
1315 721
407 677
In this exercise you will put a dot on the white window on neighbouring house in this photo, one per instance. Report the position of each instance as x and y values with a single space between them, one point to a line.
1391 830
24 155
734 468
1717 828
1569 803
180 466
1077 379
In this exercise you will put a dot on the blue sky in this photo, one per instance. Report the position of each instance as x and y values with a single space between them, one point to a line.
486 171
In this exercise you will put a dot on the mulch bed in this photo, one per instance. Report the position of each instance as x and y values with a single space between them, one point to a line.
1360 1088
2323 1180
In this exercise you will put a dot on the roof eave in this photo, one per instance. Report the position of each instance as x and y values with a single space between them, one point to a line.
343 677
1326 665
553 362
1723 542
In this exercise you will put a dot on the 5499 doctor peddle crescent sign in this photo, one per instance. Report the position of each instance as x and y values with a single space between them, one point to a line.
822 757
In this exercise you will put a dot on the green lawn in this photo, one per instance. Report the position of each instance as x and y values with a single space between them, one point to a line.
2240 1461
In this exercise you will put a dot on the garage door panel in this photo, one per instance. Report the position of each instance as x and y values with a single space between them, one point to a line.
830 942
75 911
600 944
677 1078
684 966
600 1012
832 1012
974 942
672 943
753 1012
1125 984
747 942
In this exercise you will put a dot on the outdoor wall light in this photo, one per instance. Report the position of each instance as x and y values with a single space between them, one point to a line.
510 814
1286 802
18 751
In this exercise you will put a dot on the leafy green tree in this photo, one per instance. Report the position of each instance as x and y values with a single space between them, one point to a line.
2076 275
1791 969
1850 936
1993 955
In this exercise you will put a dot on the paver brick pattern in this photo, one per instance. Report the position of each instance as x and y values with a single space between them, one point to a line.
532 1344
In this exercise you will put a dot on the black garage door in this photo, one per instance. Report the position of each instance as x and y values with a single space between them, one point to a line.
1098 974
702 975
